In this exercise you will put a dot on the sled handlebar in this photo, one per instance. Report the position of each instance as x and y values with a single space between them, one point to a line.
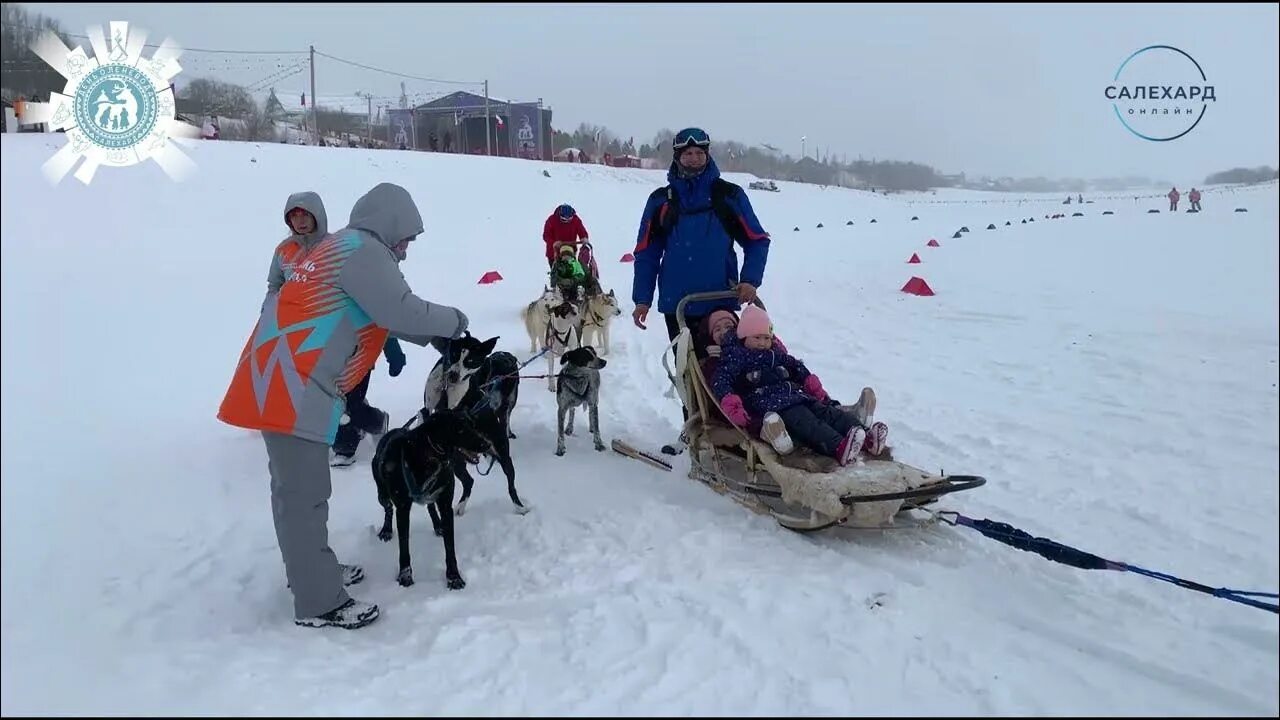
707 296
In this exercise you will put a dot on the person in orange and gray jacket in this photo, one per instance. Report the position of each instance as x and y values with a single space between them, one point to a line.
319 331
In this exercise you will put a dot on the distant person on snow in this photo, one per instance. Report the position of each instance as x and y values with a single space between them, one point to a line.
1173 199
564 227
318 333
1194 197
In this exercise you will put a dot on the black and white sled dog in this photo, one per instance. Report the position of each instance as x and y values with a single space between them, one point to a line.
483 385
577 385
556 323
414 465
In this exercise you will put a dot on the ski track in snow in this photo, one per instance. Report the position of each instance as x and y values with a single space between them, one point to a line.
1108 407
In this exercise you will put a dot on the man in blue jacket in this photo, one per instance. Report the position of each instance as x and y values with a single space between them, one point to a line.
688 233
686 238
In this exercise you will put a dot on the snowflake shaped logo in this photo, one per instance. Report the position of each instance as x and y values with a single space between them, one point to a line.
117 108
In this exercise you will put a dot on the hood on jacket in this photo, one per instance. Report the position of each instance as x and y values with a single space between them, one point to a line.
388 212
709 172
310 202
694 192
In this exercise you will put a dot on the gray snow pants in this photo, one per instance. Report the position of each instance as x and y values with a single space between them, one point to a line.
300 490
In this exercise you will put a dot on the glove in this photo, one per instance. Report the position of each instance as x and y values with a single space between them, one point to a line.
732 407
462 323
813 387
395 356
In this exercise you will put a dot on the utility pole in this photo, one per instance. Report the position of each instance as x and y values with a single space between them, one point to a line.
488 148
369 128
315 115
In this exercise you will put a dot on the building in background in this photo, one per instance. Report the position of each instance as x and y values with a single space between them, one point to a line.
456 123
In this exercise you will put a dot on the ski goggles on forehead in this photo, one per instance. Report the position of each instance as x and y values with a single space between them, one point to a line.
695 137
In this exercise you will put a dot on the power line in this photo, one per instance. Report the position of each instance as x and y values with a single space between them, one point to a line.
403 75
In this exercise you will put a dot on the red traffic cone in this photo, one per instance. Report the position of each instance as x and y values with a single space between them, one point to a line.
628 257
933 243
915 259
917 286
490 277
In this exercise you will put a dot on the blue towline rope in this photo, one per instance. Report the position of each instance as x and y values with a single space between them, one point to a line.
484 388
1050 550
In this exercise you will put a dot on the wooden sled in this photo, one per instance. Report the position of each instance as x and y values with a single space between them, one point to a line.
802 490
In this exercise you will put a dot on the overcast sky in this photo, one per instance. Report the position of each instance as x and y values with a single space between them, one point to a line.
995 90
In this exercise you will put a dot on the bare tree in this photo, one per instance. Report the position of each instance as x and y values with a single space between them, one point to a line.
215 97
253 126
22 72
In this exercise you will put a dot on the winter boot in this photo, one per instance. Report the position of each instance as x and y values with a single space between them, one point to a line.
847 450
864 411
378 426
774 432
877 440
350 615
341 460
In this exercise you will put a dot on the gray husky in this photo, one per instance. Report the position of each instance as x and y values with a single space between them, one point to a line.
578 383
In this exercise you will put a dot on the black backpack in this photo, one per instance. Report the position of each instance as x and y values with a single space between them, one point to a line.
721 191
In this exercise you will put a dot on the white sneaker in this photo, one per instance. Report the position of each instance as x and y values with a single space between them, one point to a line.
350 615
336 460
774 432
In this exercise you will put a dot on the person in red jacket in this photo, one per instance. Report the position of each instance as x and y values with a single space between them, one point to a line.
1173 199
564 227
1194 197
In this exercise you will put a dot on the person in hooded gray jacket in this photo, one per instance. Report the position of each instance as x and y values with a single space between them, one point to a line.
332 301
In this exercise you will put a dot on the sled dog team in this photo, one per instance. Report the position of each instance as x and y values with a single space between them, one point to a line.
336 300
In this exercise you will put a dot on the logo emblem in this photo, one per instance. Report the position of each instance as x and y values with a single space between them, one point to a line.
1160 93
116 111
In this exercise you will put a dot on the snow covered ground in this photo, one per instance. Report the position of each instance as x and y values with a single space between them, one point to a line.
1114 378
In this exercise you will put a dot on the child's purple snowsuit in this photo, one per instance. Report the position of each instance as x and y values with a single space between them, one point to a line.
766 380
772 381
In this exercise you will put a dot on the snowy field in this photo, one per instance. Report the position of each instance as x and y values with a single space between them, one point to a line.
1114 378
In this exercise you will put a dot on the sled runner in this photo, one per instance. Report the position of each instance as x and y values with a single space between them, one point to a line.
802 490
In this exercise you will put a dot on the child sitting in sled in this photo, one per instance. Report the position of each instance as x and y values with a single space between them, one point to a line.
758 383
568 274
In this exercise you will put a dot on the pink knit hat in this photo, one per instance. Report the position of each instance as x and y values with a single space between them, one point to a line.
754 321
